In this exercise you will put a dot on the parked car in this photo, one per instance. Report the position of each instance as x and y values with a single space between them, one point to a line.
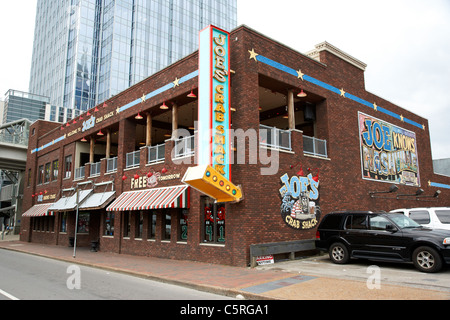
434 218
383 237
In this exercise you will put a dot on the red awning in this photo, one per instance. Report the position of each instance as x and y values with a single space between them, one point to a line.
39 210
162 198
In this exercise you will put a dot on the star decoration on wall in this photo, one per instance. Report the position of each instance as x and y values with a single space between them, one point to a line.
375 107
300 74
176 83
402 118
423 126
144 98
343 92
117 110
253 54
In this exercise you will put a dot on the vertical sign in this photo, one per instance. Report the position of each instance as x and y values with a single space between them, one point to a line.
214 100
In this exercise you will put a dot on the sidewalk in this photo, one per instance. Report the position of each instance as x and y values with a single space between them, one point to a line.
252 284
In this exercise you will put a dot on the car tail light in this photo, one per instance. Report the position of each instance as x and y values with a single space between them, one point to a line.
318 235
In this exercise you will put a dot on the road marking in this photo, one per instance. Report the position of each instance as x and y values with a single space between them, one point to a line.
9 296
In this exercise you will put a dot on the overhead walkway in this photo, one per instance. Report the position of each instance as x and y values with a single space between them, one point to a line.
14 145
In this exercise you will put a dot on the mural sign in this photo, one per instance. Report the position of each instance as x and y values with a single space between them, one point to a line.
388 153
300 202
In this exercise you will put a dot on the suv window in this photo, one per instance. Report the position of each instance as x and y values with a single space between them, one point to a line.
421 217
332 221
444 216
356 222
378 223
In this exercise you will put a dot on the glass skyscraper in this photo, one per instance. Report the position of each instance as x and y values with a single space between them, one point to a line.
86 51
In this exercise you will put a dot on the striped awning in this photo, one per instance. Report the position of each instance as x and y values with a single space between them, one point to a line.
39 210
162 198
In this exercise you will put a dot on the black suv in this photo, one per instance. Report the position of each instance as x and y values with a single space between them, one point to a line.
383 237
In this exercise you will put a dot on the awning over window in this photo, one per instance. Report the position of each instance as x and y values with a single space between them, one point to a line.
162 198
70 203
97 201
39 210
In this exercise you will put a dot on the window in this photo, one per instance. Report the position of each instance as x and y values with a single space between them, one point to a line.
83 223
47 173
55 168
421 217
214 221
443 216
63 225
68 167
167 226
378 223
109 224
151 225
356 222
139 219
183 225
126 224
41 175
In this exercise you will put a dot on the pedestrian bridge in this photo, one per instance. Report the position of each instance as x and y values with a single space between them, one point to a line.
14 145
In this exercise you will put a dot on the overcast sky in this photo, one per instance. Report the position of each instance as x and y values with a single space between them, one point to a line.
405 43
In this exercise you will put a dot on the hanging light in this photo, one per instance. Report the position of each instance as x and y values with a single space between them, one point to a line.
164 106
136 177
139 117
74 121
88 114
124 178
150 174
83 140
96 109
302 94
68 124
164 171
100 133
105 105
192 95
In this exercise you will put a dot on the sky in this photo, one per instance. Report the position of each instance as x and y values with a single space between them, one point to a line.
405 43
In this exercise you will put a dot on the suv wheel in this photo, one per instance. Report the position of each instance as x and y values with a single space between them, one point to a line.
339 253
427 259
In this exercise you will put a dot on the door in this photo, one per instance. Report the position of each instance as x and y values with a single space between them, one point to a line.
384 240
355 233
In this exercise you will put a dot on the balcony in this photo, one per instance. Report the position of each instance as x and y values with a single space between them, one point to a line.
156 153
133 160
275 138
315 147
96 169
111 165
184 147
80 173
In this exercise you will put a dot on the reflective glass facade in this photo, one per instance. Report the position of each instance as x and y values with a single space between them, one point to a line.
22 105
86 51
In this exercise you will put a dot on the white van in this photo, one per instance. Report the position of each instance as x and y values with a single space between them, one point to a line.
434 218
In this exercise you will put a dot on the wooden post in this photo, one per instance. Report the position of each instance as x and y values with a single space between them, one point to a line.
174 120
108 144
291 110
91 151
149 130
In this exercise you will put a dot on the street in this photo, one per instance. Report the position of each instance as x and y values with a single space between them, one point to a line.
28 277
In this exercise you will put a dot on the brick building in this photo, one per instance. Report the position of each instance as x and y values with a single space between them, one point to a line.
335 147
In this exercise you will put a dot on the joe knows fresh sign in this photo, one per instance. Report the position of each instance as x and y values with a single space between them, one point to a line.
388 153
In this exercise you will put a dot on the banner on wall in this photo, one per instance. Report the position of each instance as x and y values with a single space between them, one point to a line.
388 153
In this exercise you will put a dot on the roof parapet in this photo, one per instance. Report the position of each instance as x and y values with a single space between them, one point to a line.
325 46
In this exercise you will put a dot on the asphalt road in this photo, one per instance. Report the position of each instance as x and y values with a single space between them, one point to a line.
27 277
